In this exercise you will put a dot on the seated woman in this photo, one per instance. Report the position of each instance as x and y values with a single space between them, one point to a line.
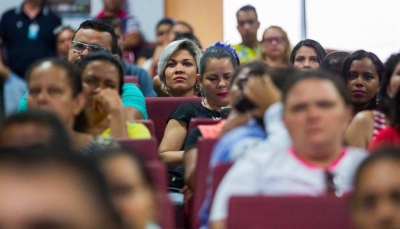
307 55
315 156
234 119
131 189
178 69
102 79
391 134
55 85
216 68
363 72
275 47
368 123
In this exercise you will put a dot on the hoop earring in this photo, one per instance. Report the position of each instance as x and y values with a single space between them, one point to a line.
165 89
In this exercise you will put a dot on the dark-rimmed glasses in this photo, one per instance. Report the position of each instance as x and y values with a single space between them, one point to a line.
80 47
271 39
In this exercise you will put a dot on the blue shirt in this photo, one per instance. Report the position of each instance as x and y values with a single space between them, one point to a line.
222 152
14 90
144 79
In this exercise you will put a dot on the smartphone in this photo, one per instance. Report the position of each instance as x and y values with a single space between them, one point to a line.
225 112
243 104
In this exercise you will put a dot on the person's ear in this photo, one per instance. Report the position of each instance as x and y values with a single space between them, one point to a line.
79 103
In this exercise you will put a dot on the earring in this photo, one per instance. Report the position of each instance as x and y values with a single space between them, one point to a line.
377 100
165 89
197 87
203 98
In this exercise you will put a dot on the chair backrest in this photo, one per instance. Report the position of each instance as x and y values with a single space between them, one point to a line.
204 147
219 172
160 108
132 79
149 124
146 148
158 176
201 121
288 212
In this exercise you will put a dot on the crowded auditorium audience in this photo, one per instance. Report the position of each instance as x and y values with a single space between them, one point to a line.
77 141
280 168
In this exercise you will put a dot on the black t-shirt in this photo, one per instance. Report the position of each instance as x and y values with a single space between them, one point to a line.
26 40
187 111
191 138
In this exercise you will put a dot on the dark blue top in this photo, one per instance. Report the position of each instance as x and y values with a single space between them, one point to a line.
22 48
144 79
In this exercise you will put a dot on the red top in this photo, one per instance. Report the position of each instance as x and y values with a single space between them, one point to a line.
121 14
389 136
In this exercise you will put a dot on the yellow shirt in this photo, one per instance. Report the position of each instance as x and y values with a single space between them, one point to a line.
135 131
245 53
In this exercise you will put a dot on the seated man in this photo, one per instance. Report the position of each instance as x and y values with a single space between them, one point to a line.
315 164
95 35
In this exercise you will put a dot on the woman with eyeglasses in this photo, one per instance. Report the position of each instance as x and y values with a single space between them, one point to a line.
275 47
307 55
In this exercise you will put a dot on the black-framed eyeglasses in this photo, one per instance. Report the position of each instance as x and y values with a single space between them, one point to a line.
80 47
271 39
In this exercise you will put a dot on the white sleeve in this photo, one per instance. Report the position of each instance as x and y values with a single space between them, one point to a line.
276 131
241 179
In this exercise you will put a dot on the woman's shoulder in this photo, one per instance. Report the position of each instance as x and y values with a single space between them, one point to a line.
185 110
364 119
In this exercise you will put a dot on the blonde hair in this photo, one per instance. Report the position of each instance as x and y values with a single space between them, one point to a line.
286 40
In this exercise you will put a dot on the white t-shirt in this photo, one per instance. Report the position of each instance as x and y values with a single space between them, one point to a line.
280 172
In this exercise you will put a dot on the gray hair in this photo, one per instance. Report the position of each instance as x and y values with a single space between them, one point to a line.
174 46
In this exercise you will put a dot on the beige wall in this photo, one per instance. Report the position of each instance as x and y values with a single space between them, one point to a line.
204 15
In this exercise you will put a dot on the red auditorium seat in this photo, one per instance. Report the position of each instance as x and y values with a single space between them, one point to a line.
146 148
201 121
204 147
288 212
219 172
166 209
159 109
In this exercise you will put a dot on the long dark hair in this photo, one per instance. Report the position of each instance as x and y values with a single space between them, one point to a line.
321 53
384 99
359 55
